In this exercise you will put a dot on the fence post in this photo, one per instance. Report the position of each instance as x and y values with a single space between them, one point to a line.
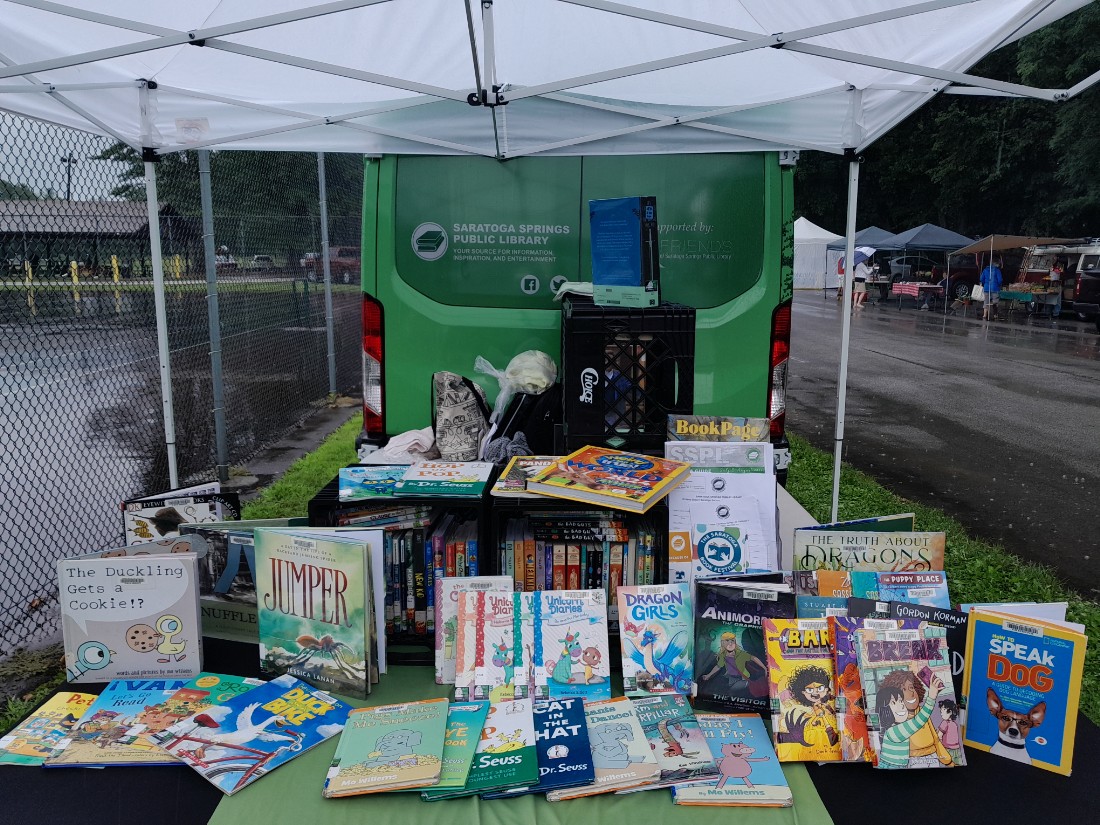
30 287
221 442
115 276
330 333
74 272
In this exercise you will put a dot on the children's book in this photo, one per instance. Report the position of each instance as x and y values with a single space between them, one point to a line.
748 771
465 721
657 638
234 744
731 672
563 748
928 588
677 741
912 711
315 608
500 655
909 552
610 478
532 677
717 428
110 732
469 636
881 524
1044 611
160 515
130 617
1023 681
512 482
202 692
574 643
373 481
36 737
447 591
388 748
621 756
463 479
955 622
820 607
801 677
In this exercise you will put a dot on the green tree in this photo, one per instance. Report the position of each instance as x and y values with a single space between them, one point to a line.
10 191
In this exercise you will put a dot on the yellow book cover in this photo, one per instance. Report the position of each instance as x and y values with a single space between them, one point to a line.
611 478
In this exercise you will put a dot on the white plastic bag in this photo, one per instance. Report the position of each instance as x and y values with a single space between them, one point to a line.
532 372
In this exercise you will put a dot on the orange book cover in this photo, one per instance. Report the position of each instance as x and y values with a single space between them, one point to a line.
611 478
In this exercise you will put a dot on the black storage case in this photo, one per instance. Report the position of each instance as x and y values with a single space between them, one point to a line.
623 372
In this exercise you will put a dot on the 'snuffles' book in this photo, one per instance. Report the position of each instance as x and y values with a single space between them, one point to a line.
676 739
574 643
130 617
910 552
388 748
160 516
749 773
369 482
36 737
464 723
116 728
610 478
463 479
512 482
657 638
234 744
447 592
1024 685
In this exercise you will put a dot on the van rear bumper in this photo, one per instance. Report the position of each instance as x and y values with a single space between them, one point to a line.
1086 309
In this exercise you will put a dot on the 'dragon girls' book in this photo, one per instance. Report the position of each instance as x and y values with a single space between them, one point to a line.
610 478
315 608
800 678
749 773
234 744
109 732
464 724
621 755
912 711
574 643
657 638
202 692
388 748
731 674
676 739
36 737
447 591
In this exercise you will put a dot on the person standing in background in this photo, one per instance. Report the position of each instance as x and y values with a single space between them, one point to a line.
991 284
860 275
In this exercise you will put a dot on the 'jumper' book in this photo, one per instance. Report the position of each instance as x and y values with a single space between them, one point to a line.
749 773
657 636
464 723
463 479
574 643
677 741
1023 681
36 737
867 550
234 744
388 748
610 478
513 479
370 482
447 591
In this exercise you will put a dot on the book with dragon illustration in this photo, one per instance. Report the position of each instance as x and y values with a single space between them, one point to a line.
447 591
388 748
36 737
800 678
464 723
749 773
574 643
202 692
110 732
677 740
234 744
912 710
657 638
731 672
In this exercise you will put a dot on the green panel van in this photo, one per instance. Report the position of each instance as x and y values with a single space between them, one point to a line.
462 257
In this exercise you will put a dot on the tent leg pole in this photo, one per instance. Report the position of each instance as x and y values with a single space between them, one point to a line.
161 309
845 328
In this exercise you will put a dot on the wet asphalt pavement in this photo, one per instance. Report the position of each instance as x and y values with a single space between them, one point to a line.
996 423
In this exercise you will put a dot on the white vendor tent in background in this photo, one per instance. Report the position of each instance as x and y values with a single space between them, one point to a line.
811 247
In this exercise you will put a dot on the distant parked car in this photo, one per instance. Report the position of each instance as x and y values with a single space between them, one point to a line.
915 268
225 263
261 263
344 264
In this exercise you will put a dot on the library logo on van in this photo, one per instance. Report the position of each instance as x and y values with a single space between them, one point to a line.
429 241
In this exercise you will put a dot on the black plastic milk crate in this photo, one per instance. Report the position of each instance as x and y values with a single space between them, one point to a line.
624 371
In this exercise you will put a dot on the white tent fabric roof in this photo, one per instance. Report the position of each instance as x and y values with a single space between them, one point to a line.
811 255
573 76
807 230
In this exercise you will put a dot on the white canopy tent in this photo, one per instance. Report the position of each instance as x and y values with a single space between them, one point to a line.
501 78
811 255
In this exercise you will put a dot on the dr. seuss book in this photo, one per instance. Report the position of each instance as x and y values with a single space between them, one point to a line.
563 747
315 608
36 737
657 637
611 478
465 479
800 677
447 590
388 748
160 516
717 428
677 741
928 588
1023 681
202 692
748 771
130 617
234 744
464 723
912 711
621 756
891 552
731 673
512 482
574 643
373 481
111 730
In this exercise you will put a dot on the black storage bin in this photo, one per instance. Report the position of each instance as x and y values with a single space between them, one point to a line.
623 372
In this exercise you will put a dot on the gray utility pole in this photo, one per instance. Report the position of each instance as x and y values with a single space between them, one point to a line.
329 321
221 442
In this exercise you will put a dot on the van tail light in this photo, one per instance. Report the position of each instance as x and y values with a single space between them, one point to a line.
777 373
1077 289
374 411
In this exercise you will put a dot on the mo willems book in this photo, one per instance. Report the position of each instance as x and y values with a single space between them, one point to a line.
800 676
749 773
389 748
465 479
130 617
234 744
677 741
657 638
315 608
160 516
574 643
447 592
1024 685
109 732
513 479
868 550
373 481
912 711
464 724
37 736
610 478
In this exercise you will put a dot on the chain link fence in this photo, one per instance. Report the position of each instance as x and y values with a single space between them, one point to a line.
81 424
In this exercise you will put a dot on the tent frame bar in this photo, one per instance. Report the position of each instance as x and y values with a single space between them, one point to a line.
49 88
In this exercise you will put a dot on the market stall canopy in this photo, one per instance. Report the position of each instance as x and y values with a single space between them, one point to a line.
811 255
928 237
870 236
808 231
993 243
506 78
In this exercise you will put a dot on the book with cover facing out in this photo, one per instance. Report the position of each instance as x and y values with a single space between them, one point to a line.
657 638
928 588
513 479
464 479
625 251
374 481
676 739
464 723
574 643
36 737
861 549
447 592
716 428
204 691
611 478
160 516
